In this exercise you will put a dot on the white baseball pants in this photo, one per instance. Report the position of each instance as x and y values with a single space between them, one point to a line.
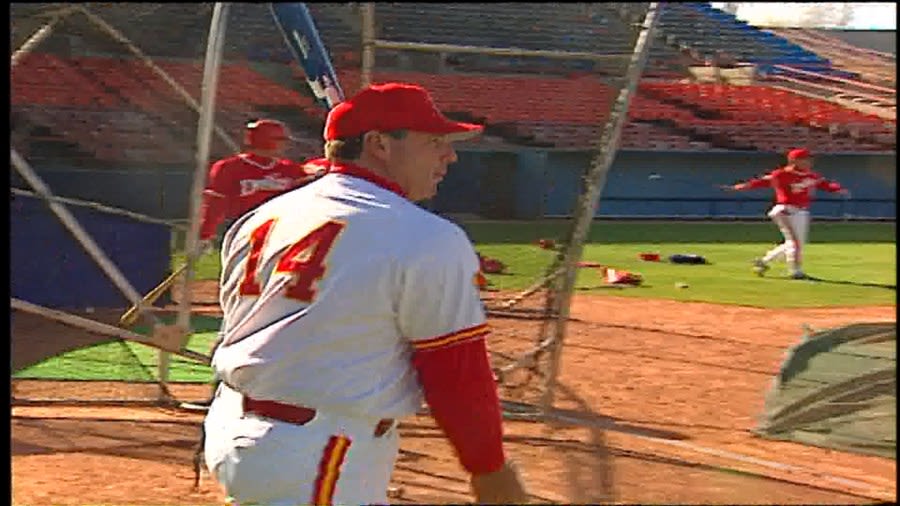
329 460
794 225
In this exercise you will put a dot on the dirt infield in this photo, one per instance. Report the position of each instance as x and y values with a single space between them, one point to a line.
674 389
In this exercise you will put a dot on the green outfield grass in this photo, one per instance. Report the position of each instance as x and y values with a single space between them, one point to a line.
128 361
849 258
846 256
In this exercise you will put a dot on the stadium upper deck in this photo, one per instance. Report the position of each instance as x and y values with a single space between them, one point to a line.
77 94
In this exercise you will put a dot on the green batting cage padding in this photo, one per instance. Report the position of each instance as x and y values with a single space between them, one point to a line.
122 360
837 389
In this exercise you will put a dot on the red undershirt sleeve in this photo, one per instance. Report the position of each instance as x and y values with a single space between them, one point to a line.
462 394
829 186
762 182
441 314
215 202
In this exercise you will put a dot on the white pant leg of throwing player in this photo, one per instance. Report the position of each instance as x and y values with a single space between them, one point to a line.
793 223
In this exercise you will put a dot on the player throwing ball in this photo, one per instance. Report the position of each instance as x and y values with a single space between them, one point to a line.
794 186
345 305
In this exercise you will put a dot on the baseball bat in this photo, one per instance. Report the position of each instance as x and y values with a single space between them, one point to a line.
296 25
299 31
130 316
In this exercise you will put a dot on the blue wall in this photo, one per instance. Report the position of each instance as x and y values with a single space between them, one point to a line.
531 183
159 193
49 267
547 184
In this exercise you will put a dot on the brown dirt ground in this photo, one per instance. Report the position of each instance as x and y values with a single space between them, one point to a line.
669 385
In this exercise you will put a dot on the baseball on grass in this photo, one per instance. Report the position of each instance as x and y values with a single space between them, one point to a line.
89 310
681 284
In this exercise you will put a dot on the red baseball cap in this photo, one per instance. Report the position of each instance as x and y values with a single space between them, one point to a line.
265 133
798 154
393 106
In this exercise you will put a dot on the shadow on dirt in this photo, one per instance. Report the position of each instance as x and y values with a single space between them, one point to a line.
590 473
160 441
670 359
460 493
592 419
589 462
709 337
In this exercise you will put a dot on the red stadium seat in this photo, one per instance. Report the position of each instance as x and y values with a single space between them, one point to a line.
567 111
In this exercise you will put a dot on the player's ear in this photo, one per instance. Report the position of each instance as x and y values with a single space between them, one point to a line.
376 144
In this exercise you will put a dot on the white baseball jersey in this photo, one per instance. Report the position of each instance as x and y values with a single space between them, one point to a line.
370 278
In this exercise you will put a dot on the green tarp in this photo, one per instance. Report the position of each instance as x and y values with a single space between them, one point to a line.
837 389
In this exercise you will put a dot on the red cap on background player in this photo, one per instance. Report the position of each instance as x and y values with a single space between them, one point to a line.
265 134
393 106
798 154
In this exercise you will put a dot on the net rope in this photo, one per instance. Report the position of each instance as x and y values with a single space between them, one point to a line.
391 49
59 31
103 208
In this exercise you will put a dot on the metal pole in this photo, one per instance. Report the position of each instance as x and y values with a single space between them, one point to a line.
495 51
189 100
99 327
102 208
595 180
72 225
214 49
368 43
38 37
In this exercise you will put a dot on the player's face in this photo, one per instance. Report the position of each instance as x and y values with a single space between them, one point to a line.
418 162
804 163
280 147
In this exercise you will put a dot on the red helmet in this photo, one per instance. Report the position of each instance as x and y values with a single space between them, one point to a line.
265 134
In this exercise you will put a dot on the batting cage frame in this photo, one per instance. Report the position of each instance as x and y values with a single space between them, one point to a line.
558 282
540 364
167 339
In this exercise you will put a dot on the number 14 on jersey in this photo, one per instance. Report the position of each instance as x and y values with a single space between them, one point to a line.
305 260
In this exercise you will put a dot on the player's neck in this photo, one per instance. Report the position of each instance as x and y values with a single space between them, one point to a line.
375 167
262 154
377 175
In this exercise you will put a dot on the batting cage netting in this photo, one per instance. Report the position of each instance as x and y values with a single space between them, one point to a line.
106 101
111 126
505 82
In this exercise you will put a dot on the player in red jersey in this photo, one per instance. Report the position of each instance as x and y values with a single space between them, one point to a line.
794 185
241 182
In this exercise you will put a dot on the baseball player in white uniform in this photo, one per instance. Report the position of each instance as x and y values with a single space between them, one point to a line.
344 305
794 186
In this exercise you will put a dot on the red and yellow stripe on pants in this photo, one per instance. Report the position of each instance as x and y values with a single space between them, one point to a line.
330 470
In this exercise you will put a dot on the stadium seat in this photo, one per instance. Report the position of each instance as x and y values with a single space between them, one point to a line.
565 111
773 111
